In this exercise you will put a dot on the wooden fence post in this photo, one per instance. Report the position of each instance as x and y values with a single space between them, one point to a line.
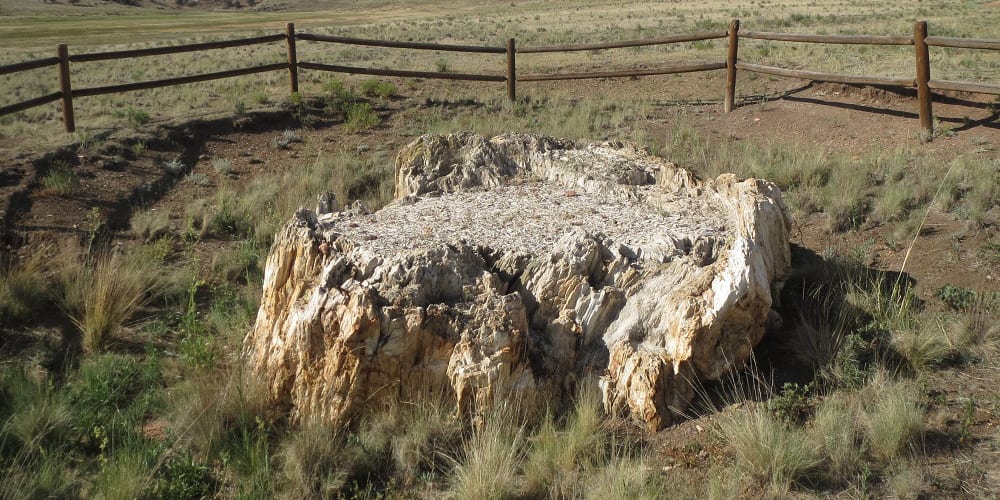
511 71
734 45
924 96
293 64
62 52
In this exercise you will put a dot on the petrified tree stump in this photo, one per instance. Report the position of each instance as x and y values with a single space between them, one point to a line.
518 265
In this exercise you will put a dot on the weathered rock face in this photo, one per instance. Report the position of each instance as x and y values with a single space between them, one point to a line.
517 265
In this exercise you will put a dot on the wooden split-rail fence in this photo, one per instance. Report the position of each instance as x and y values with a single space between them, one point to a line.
921 42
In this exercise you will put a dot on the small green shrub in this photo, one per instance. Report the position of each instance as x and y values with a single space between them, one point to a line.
137 149
334 86
793 404
174 166
183 477
360 116
110 397
198 179
373 87
136 117
339 97
956 297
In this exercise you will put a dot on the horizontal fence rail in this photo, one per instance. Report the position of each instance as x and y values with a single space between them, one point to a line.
174 49
670 70
30 103
402 73
919 40
827 77
689 37
28 65
169 82
977 88
833 39
963 43
401 45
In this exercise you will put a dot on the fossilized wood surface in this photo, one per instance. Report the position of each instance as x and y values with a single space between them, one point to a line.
517 265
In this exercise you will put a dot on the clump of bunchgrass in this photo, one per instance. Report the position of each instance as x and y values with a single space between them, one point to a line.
197 219
222 166
768 450
36 418
428 432
622 478
892 417
25 285
560 459
906 481
101 295
126 474
313 461
242 263
148 225
923 346
202 407
835 428
488 463
48 476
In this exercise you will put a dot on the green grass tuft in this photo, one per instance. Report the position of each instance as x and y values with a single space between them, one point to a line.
60 181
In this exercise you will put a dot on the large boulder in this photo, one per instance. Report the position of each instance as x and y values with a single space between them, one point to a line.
519 266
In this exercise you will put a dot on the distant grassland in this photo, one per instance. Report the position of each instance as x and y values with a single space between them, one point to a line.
26 35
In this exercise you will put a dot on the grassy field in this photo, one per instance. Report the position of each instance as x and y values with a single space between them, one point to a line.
28 34
119 363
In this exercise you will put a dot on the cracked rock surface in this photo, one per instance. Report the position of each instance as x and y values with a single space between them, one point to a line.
517 266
